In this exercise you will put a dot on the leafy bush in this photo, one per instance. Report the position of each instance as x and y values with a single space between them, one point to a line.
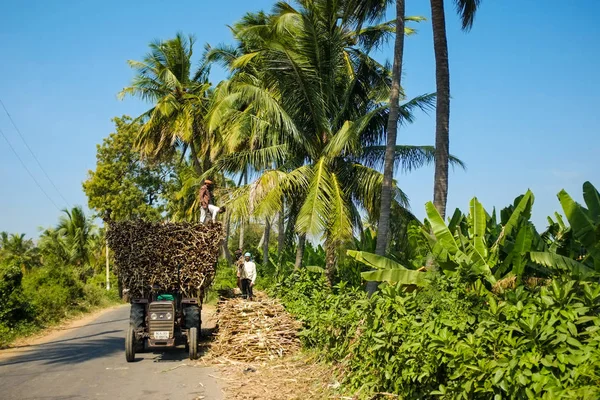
452 340
95 293
13 304
53 290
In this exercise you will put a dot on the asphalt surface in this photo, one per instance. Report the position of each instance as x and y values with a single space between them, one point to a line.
88 362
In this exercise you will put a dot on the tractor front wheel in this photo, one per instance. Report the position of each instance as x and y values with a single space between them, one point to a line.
193 343
130 344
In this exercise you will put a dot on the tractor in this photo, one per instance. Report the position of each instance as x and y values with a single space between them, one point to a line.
163 319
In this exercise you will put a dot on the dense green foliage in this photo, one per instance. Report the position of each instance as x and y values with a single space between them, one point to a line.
61 275
455 342
123 182
480 306
455 335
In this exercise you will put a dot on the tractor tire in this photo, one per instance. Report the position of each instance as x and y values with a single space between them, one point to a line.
192 317
130 344
193 343
141 346
136 315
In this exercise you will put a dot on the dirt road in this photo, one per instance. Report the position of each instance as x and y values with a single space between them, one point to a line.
88 362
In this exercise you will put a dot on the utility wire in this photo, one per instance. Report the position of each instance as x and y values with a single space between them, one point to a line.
32 153
27 169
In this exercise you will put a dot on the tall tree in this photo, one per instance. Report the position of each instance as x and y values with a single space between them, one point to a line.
392 130
16 250
466 10
79 232
123 182
180 100
306 90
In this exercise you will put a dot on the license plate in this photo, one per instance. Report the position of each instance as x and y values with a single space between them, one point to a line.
162 335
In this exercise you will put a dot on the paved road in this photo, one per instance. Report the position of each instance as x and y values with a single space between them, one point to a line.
89 363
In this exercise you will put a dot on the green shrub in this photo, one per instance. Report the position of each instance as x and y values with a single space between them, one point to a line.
95 293
14 306
225 280
52 291
452 341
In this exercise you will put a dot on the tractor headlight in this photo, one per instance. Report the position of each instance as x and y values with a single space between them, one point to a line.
169 315
153 316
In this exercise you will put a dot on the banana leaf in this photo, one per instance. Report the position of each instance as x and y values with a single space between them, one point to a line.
582 225
592 200
523 208
455 220
373 260
397 275
440 230
315 268
478 223
521 248
558 262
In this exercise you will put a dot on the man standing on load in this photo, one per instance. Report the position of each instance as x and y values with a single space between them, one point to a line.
248 276
205 203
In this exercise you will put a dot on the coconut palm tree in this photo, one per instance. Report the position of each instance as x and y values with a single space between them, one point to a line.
392 130
312 105
180 100
78 233
466 10
15 249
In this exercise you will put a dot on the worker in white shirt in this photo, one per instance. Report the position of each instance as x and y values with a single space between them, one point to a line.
248 276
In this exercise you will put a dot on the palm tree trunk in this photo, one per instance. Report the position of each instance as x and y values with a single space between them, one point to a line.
392 131
265 244
241 242
194 156
330 262
300 251
226 253
442 113
281 231
244 176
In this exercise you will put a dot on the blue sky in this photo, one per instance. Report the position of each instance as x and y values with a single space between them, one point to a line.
524 111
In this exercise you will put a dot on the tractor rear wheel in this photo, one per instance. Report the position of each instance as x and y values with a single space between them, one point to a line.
136 315
192 316
193 343
130 344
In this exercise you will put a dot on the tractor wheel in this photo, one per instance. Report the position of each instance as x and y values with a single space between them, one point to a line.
141 346
192 316
130 344
136 315
193 343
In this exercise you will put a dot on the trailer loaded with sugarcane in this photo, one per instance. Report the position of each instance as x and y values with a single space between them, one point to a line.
165 269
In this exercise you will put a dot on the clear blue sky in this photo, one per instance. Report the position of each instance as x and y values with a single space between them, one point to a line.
524 112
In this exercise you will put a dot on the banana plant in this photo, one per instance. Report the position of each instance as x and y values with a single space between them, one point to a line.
387 270
584 223
512 248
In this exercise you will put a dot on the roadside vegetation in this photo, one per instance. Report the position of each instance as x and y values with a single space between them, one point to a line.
59 276
472 304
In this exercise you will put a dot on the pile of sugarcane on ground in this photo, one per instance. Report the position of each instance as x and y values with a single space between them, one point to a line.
167 256
255 330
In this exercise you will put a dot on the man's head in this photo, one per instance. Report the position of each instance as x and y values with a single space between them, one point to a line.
247 256
209 183
238 253
222 210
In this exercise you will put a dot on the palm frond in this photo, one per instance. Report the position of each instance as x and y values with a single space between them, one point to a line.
407 157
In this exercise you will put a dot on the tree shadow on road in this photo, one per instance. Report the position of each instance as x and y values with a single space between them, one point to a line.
70 351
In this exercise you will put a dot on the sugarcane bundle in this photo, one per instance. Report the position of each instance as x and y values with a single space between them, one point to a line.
256 330
167 256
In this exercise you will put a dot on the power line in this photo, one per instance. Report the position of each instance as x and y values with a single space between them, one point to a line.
27 169
32 153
